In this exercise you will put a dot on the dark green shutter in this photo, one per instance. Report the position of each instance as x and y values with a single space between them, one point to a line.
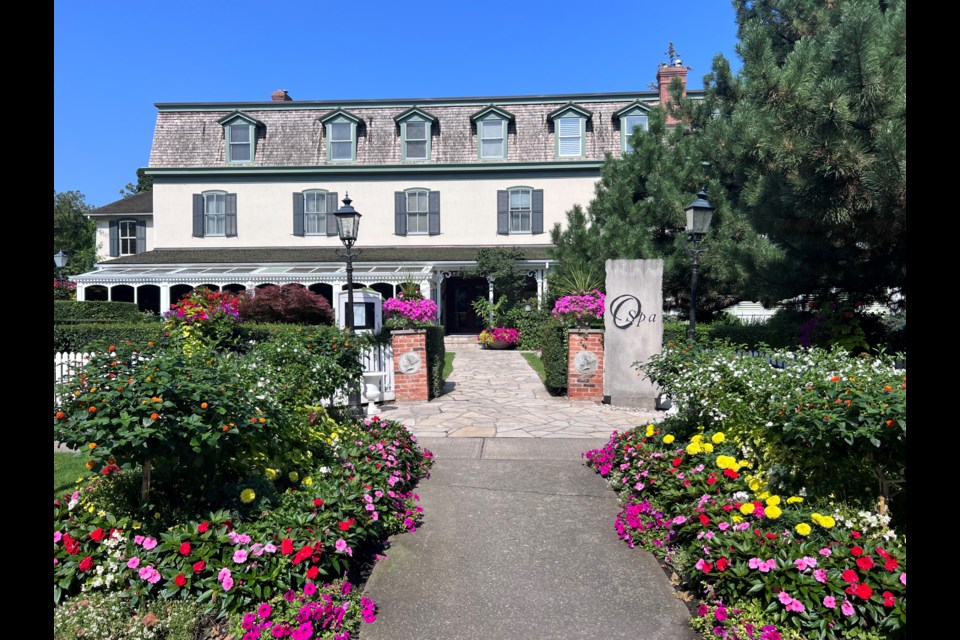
298 214
536 224
503 213
141 236
400 213
433 209
332 206
197 215
114 238
231 215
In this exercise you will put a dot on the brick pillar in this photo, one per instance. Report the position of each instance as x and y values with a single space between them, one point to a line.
665 75
410 365
585 365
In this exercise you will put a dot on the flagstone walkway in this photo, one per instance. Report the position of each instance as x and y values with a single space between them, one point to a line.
498 394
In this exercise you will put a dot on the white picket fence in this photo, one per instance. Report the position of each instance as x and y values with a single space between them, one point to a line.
375 359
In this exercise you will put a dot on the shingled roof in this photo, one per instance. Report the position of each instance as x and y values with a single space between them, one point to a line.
307 255
139 203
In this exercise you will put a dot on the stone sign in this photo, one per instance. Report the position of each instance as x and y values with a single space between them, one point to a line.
633 330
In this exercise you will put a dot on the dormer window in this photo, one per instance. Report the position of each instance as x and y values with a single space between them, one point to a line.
492 124
240 136
415 128
570 130
631 117
341 130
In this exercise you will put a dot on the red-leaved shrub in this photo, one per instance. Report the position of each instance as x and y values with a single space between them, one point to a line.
291 303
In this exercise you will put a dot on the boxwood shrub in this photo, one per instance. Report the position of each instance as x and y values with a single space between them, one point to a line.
92 336
436 355
554 344
71 311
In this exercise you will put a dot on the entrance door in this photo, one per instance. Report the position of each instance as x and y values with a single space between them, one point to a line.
458 313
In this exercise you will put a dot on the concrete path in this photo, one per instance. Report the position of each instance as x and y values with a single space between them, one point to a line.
498 394
518 544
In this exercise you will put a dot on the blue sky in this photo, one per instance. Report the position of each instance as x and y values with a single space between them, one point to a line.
114 60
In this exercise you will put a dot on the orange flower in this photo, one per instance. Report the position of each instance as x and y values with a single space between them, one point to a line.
92 445
225 427
203 405
89 464
92 409
262 420
889 423
111 460
835 379
888 388
60 415
112 348
154 416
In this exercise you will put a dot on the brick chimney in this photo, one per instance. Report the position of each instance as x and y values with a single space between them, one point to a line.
281 95
665 75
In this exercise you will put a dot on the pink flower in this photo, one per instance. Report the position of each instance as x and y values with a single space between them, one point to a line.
57 536
796 606
138 539
830 602
846 608
723 526
805 563
825 552
240 556
227 583
784 598
765 566
149 543
903 578
223 575
342 547
374 516
820 575
264 611
133 562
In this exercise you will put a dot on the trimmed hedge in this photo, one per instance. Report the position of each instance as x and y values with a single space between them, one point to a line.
529 324
554 343
93 336
436 356
71 311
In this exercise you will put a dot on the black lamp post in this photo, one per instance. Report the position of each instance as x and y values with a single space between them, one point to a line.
348 221
60 261
699 212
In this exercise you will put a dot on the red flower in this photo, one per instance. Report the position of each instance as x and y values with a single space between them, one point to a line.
185 549
730 473
71 545
346 524
850 576
707 567
198 566
882 553
312 572
317 502
855 534
303 554
180 580
863 591
203 526
711 479
888 599
722 564
771 536
704 520
686 483
891 564
865 563
97 534
86 564
728 508
856 551
677 462
286 547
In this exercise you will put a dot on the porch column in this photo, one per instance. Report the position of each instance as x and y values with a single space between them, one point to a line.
164 297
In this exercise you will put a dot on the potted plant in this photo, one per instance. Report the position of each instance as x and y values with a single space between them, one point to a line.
409 312
580 310
499 338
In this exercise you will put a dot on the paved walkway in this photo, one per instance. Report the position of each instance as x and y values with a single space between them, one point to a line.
498 394
518 540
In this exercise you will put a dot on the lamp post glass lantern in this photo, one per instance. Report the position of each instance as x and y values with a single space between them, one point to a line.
348 222
699 215
60 261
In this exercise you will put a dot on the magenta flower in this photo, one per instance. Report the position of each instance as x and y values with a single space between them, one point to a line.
784 598
264 611
830 602
765 566
846 608
805 563
374 516
309 589
903 578
133 563
149 543
138 539
825 552
240 556
820 575
227 583
57 536
223 575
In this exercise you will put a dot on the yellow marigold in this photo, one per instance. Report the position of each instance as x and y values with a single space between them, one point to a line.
697 438
754 485
725 462
271 474
803 529
707 447
308 481
294 476
773 512
717 437
746 464
815 517
747 508
694 448
738 519
247 496
827 522
794 499
668 439
649 430
773 500
763 495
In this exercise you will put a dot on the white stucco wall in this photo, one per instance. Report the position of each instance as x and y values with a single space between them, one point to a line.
103 236
468 210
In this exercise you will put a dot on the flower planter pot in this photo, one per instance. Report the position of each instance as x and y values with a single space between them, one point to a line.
496 344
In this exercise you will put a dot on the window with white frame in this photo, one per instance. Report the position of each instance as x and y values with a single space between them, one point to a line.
315 213
628 125
415 139
493 137
570 136
239 141
418 212
128 237
341 140
521 210
214 214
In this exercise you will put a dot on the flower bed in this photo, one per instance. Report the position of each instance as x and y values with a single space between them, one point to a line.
766 566
505 336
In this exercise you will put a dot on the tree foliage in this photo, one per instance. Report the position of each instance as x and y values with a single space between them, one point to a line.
503 263
73 234
144 183
291 303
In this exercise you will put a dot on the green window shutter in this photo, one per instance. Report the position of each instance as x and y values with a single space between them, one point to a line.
400 211
197 216
332 198
298 214
503 213
114 238
230 208
433 208
141 236
536 224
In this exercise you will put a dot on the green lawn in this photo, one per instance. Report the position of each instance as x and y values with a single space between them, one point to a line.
536 363
448 363
67 467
